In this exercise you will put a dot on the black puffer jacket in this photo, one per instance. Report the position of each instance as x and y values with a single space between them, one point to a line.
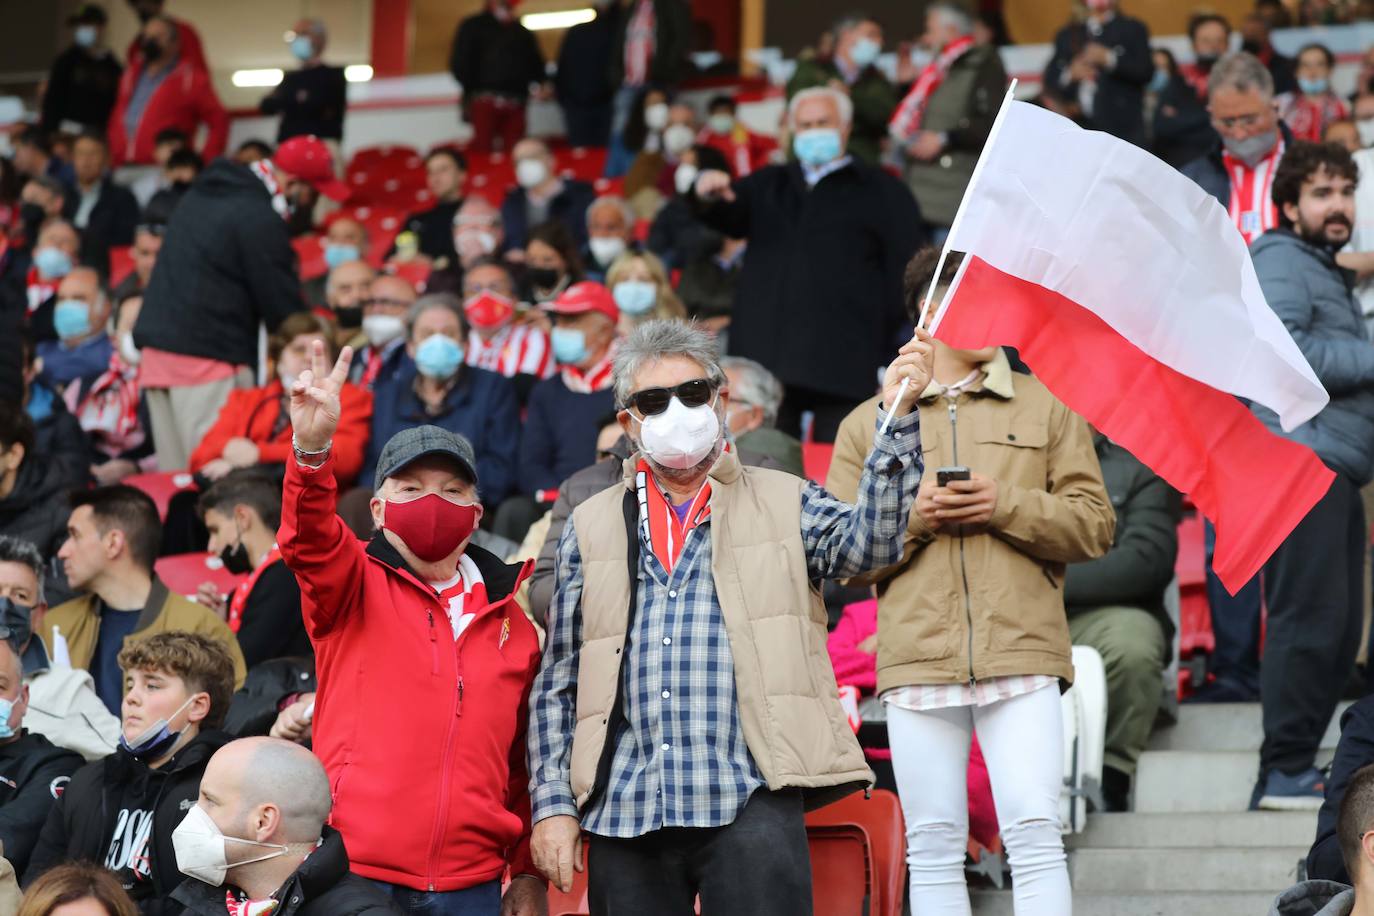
257 702
36 509
322 886
226 266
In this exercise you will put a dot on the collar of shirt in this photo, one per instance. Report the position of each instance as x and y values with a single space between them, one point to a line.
814 174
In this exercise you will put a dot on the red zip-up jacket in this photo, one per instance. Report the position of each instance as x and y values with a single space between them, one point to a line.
423 737
184 99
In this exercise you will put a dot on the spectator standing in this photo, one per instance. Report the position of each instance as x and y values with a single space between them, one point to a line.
435 388
113 534
1313 105
163 88
947 116
226 268
106 213
540 195
311 100
1254 32
242 512
384 312
971 625
446 170
1210 36
1313 583
1100 68
192 48
275 796
123 811
829 237
751 417
497 63
84 79
650 49
610 233
32 487
582 85
371 609
744 150
498 341
731 768
851 70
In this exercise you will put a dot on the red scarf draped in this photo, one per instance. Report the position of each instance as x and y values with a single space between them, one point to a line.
110 406
39 290
665 531
595 378
906 120
245 588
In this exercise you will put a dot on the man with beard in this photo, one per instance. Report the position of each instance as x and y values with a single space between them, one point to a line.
1313 583
681 717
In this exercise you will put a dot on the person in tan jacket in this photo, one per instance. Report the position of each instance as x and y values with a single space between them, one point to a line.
971 625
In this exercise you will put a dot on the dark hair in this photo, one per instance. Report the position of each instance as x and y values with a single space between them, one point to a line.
455 154
203 663
185 158
298 323
129 510
636 130
491 260
919 270
95 136
51 185
1302 161
558 237
721 101
1356 818
1316 46
1169 56
30 135
71 882
15 425
1200 19
261 146
255 488
708 157
171 135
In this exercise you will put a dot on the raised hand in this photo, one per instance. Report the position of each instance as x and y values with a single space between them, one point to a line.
914 362
315 399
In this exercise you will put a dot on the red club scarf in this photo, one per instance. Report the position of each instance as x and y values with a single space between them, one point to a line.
906 120
236 907
666 532
596 378
245 588
109 407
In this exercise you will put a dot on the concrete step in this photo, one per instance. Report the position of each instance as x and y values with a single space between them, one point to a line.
1199 781
998 903
1198 831
1266 869
1224 727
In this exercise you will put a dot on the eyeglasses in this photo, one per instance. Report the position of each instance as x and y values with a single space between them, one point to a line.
653 401
1245 122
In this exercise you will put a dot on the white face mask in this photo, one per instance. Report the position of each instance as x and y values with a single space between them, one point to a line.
381 330
677 139
1365 127
606 248
201 852
685 177
530 173
681 436
656 116
127 349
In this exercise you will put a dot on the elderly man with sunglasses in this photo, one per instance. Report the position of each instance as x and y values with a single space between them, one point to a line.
686 722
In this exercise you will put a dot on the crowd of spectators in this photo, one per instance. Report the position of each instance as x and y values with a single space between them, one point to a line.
429 437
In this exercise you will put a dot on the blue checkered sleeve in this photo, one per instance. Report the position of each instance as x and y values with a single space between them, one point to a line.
553 701
843 540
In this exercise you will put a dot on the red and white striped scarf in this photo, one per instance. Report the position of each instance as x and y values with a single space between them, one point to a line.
517 349
1307 118
39 290
1252 193
263 169
108 410
234 906
596 378
906 120
639 43
667 533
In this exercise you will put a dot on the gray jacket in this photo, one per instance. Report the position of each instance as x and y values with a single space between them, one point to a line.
1313 297
1315 898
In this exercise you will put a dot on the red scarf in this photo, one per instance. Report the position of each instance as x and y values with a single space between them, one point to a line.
906 120
236 907
1307 117
666 532
40 290
596 378
245 588
109 407
1252 204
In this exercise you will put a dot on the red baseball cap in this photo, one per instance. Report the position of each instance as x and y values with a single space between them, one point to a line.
584 297
307 158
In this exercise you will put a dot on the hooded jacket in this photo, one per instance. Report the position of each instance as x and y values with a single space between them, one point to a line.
422 734
1315 898
33 774
225 267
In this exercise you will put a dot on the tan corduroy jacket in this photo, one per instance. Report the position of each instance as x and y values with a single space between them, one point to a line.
990 603
775 620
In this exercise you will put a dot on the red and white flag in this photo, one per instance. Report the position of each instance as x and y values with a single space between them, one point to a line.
1129 293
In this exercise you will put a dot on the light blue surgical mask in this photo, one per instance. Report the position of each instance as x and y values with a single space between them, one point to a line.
6 711
818 146
52 263
1313 87
1159 82
635 297
569 345
336 254
438 356
302 47
71 318
86 35
864 52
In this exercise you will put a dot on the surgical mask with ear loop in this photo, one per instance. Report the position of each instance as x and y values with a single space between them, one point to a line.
157 739
202 852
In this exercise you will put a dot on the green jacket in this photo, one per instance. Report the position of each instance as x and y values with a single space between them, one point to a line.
963 107
873 96
767 442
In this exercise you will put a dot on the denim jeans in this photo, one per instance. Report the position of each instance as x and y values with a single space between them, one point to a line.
482 900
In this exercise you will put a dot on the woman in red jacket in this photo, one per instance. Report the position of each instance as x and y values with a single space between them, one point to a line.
254 426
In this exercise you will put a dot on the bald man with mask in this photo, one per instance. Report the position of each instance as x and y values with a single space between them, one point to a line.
257 834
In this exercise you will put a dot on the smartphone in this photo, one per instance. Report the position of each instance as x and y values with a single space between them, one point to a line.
944 475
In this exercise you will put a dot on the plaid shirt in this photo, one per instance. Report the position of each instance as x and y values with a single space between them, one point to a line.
681 759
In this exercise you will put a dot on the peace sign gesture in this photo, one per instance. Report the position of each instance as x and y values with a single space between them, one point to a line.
315 399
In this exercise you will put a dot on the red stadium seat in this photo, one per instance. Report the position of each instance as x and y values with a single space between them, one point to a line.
879 817
121 263
369 157
585 163
840 868
609 186
573 903
184 573
816 459
162 486
309 256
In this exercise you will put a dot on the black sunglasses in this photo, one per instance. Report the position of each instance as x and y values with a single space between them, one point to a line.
653 401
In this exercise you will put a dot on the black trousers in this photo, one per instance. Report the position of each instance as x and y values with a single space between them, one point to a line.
1312 585
757 866
829 411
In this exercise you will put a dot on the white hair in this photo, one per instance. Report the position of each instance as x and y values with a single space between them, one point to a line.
660 339
1242 72
843 104
754 386
952 14
627 212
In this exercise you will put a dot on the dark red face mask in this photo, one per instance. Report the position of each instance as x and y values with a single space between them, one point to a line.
431 526
488 310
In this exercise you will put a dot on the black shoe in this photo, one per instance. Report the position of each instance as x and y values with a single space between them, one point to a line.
1224 690
1116 789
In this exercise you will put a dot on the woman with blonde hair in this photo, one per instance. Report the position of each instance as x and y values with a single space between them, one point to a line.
639 283
77 889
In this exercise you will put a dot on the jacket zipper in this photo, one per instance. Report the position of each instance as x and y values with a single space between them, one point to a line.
963 566
440 811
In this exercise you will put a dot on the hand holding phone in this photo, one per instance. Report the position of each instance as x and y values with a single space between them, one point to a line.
958 472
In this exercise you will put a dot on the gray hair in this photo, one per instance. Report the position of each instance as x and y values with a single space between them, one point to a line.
952 14
329 279
627 212
1242 72
477 207
17 550
843 103
755 387
436 301
849 20
656 340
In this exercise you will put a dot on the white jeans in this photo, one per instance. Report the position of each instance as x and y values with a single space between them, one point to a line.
1022 742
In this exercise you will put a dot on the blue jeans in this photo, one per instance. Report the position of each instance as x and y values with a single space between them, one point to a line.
1236 625
482 900
618 158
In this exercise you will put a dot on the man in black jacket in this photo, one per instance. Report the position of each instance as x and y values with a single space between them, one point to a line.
820 296
225 268
32 487
269 799
1116 605
106 213
1100 67
497 62
582 86
33 771
84 79
313 99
